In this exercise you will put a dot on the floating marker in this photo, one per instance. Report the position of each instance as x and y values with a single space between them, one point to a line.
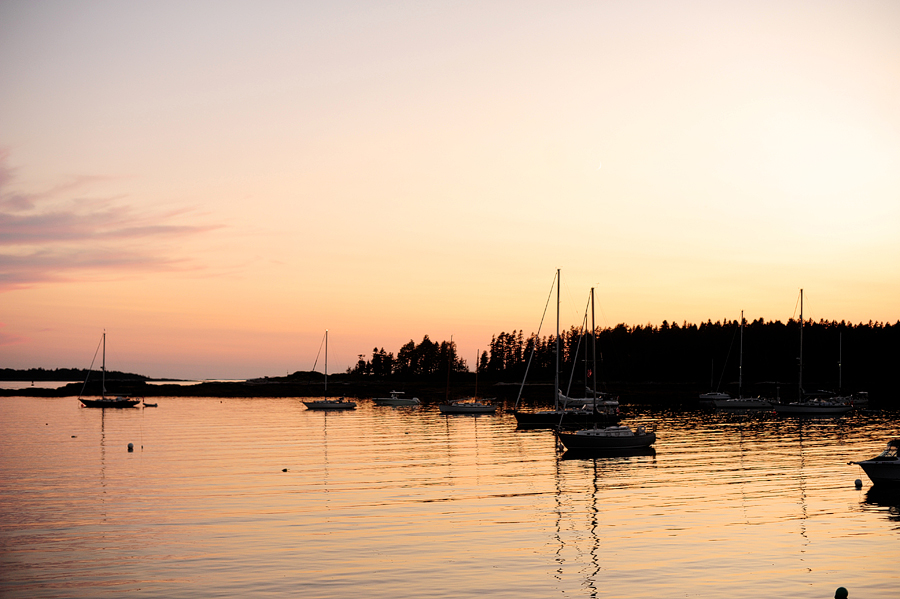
858 483
130 447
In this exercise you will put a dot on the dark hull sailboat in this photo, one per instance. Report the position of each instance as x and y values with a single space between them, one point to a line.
119 401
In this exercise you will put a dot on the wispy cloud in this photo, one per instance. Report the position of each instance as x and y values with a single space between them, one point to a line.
62 233
8 339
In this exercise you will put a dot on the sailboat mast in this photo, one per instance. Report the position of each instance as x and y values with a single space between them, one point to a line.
103 369
840 359
556 368
449 363
477 351
594 347
800 379
326 360
741 361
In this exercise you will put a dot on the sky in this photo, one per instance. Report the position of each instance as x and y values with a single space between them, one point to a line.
215 184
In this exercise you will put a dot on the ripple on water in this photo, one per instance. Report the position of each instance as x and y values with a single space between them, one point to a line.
406 502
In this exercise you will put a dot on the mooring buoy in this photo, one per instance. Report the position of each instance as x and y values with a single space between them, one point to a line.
130 447
858 483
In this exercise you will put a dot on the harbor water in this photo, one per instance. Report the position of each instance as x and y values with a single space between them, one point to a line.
263 498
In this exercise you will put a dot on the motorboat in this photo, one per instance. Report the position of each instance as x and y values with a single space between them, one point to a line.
330 404
610 437
884 469
396 400
104 401
475 406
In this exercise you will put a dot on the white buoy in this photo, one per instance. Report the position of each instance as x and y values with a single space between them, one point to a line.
130 447
858 484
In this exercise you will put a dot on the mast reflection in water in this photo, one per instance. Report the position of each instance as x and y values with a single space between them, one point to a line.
251 497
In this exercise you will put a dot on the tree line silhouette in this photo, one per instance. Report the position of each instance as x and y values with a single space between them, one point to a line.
836 356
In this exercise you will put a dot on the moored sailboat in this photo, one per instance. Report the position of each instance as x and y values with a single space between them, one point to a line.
740 402
805 406
104 401
606 438
329 404
590 410
609 437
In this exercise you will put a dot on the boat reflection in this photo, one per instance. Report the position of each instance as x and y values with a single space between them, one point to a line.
592 454
885 497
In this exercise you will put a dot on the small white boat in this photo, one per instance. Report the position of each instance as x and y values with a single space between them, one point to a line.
330 404
396 400
604 403
714 396
884 469
478 406
610 437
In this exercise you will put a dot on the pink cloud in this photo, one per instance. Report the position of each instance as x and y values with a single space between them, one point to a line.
42 242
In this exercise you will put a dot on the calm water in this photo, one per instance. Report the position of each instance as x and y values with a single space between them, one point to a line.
403 502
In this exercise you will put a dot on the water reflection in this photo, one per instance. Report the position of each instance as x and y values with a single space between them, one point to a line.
886 498
602 454
407 502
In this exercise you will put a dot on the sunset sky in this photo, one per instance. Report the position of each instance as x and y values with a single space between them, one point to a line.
217 183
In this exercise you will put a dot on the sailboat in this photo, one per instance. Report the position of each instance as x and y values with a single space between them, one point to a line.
104 401
740 402
812 406
609 437
707 399
473 405
561 415
329 404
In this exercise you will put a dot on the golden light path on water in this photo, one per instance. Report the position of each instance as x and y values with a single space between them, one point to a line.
404 502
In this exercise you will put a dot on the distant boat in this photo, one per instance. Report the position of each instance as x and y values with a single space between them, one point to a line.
806 406
118 401
707 399
812 407
610 437
884 469
396 400
603 402
329 404
468 407
740 402
714 396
